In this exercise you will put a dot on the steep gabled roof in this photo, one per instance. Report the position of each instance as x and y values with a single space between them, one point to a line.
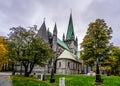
61 43
42 29
42 32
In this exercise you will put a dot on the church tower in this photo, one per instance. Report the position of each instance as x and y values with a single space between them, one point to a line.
54 39
70 37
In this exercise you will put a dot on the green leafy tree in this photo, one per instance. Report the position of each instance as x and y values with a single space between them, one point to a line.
96 43
115 60
25 47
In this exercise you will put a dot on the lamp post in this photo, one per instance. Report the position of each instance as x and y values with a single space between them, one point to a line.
52 78
98 76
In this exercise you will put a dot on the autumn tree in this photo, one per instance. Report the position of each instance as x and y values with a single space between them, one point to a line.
25 47
96 43
3 51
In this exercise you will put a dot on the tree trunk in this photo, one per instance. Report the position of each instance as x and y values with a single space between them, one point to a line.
21 69
91 68
27 73
31 67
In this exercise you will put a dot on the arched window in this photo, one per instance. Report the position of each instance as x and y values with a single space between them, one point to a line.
59 64
68 64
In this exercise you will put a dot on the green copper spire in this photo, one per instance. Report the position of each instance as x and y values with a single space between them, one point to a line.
70 31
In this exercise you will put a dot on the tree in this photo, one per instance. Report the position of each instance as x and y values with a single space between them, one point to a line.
96 43
115 60
3 51
25 47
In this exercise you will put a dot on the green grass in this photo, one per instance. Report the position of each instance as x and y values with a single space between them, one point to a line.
70 80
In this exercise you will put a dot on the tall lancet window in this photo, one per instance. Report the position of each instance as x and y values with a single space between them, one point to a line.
59 64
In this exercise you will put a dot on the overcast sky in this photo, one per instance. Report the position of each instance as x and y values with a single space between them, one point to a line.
26 13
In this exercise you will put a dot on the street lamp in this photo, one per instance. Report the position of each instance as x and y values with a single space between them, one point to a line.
52 78
98 76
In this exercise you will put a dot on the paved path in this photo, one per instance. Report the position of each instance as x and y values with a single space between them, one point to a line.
5 79
5 73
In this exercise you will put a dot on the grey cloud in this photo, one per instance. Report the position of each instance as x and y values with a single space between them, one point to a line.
30 12
108 10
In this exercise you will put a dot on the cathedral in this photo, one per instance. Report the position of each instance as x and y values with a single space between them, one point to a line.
67 58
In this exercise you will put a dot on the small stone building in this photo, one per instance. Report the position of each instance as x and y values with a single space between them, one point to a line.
68 63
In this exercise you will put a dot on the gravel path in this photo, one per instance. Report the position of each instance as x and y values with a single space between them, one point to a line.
5 80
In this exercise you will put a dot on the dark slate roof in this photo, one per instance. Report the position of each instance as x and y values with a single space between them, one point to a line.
42 32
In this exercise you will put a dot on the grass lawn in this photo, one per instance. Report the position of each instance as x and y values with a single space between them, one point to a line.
70 80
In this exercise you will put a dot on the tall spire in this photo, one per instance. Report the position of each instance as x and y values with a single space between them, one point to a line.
70 31
42 29
55 30
54 41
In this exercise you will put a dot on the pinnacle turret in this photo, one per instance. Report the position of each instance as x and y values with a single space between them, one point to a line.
55 30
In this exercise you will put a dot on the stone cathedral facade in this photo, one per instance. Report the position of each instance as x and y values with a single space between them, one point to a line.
66 52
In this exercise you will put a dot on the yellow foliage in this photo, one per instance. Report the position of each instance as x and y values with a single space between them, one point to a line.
3 50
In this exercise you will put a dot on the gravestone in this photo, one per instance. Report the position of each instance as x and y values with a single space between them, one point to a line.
41 77
62 81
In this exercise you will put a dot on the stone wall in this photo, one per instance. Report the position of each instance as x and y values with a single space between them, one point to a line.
67 66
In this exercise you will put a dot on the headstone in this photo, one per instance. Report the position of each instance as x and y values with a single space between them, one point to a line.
41 78
62 81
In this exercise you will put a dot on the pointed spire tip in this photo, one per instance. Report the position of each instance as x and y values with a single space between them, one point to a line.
70 10
44 19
